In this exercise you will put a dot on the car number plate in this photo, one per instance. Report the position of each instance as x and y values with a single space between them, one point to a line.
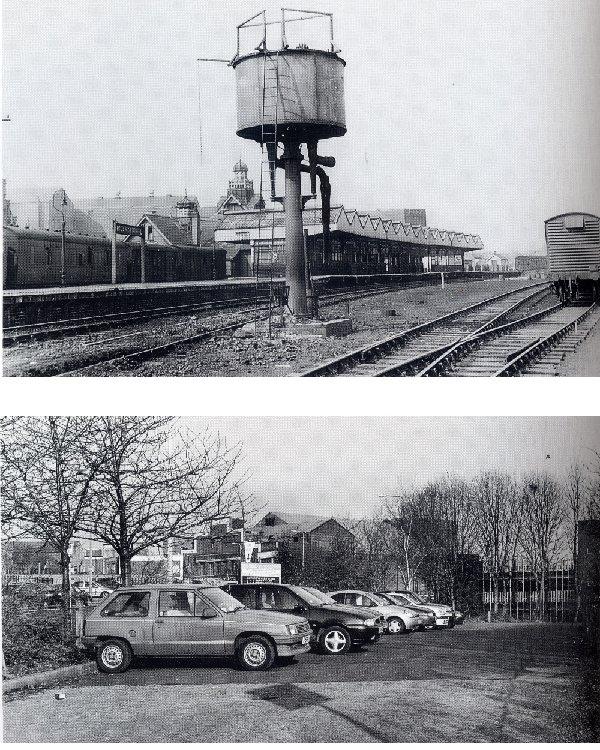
305 640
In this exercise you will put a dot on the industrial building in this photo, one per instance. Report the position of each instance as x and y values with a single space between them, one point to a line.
531 263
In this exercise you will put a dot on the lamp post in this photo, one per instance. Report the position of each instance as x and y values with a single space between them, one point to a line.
62 234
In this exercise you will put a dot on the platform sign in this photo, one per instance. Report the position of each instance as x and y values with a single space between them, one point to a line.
129 229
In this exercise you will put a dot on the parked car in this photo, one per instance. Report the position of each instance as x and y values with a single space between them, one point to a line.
326 599
53 596
444 615
426 615
109 582
336 628
180 620
398 619
95 591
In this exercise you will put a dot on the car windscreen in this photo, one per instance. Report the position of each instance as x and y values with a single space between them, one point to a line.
128 604
386 599
306 596
417 599
222 600
377 599
323 598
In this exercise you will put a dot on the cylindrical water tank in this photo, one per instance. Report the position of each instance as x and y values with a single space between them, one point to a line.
303 94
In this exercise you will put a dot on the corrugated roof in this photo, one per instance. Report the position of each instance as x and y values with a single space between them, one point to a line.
251 219
360 223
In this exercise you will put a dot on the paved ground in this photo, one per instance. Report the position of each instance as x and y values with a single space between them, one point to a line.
524 682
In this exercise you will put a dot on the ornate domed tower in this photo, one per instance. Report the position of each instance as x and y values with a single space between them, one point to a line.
240 186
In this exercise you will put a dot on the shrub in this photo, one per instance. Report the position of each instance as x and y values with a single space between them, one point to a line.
34 638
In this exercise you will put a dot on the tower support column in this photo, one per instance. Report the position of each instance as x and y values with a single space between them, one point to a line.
295 266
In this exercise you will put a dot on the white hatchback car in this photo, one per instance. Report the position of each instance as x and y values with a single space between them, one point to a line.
399 619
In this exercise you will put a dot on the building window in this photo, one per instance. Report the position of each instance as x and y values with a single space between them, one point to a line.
80 260
90 256
107 258
49 256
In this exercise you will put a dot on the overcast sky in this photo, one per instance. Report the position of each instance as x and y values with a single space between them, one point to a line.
344 466
484 112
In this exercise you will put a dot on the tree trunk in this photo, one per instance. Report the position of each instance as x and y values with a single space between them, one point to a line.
496 592
125 569
65 599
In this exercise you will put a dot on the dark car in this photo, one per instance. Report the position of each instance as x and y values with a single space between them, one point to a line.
336 627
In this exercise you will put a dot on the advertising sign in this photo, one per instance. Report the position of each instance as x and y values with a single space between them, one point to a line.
260 573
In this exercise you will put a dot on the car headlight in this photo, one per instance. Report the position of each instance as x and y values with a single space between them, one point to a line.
293 629
370 623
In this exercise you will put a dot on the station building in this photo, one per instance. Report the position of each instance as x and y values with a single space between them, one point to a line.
360 243
489 262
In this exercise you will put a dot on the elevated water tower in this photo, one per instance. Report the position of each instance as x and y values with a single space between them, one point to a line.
289 99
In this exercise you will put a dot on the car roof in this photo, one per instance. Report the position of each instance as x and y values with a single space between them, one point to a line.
164 587
268 583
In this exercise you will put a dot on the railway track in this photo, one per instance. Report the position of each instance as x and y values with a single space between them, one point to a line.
412 351
508 349
541 356
58 329
141 354
73 327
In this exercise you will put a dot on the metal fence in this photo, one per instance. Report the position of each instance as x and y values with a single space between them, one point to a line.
520 594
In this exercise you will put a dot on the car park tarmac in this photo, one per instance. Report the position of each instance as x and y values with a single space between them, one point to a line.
483 682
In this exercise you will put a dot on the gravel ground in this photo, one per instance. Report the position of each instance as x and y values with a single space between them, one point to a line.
585 361
48 357
525 682
231 356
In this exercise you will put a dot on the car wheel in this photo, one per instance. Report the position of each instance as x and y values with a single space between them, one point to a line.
396 625
451 622
334 640
255 653
113 656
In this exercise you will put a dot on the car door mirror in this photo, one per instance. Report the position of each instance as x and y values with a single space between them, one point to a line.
208 613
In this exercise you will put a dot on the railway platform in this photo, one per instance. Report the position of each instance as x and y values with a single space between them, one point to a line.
30 306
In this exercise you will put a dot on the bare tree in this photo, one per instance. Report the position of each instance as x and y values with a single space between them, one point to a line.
47 473
576 490
157 482
592 505
411 541
497 523
377 546
458 520
543 522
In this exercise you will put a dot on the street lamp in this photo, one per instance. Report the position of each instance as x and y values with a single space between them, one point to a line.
62 234
396 523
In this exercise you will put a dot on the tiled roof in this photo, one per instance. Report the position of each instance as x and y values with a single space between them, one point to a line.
303 522
170 229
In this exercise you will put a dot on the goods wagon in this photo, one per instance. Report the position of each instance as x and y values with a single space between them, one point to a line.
32 260
573 242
